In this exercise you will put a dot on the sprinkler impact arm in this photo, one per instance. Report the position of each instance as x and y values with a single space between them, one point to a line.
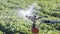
29 17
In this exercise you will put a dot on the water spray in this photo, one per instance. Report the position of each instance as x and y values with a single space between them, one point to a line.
27 12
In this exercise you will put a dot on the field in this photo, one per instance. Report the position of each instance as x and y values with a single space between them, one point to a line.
12 23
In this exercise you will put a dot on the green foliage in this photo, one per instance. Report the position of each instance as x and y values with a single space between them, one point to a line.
12 23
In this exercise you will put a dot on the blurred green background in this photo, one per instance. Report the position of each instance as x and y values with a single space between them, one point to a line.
12 23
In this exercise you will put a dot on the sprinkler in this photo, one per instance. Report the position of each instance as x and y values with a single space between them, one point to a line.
34 18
